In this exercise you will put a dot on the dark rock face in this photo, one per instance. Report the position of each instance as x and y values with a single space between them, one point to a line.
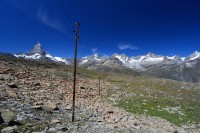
114 62
192 74
37 48
184 71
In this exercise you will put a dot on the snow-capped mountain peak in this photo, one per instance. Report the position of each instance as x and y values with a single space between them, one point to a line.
37 53
121 56
37 48
95 56
150 54
152 58
174 58
193 56
92 58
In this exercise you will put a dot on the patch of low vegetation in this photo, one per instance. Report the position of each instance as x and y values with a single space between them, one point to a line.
177 102
88 73
123 70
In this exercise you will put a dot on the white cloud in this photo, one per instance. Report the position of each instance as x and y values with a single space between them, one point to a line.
46 18
41 13
127 46
94 50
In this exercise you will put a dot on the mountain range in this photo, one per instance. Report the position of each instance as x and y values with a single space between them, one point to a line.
172 67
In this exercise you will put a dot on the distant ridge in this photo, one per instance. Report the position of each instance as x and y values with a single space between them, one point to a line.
172 67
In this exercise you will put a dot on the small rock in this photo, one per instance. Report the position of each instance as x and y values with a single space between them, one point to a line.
49 106
12 85
110 112
137 127
8 130
7 115
55 121
136 124
5 76
37 107
62 128
68 107
82 87
37 84
52 130
11 94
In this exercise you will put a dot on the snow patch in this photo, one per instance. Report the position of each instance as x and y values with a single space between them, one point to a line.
171 58
34 56
197 56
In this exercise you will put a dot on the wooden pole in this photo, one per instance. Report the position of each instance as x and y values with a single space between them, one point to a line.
99 85
75 56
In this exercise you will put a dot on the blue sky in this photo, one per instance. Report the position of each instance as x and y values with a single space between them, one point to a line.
133 27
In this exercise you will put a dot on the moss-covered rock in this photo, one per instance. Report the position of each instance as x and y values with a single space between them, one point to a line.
7 115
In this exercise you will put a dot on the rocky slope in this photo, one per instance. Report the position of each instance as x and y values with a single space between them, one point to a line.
37 97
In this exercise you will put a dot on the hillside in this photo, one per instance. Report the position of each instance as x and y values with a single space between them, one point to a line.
37 97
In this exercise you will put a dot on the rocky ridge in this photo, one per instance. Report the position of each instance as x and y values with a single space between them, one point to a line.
171 67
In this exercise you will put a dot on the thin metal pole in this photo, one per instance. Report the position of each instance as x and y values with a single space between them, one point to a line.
75 56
